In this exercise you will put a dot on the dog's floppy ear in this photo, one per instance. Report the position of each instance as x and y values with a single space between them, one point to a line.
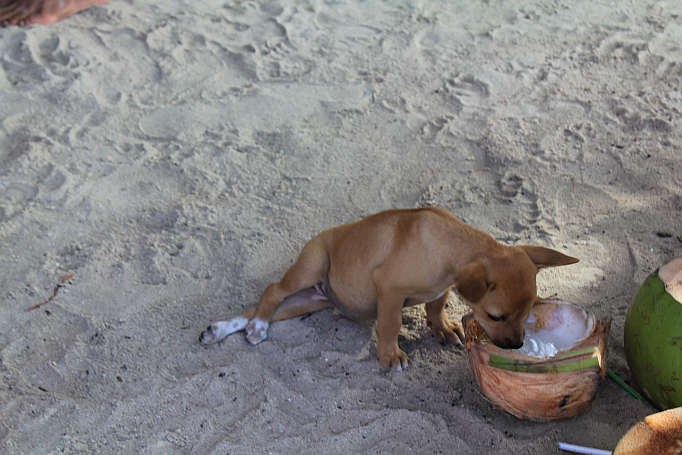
544 257
472 282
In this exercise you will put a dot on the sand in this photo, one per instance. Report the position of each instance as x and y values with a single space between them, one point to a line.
174 156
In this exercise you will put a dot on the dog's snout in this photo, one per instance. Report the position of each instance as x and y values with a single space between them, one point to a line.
514 344
508 343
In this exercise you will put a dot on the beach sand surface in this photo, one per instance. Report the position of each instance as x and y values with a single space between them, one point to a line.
172 157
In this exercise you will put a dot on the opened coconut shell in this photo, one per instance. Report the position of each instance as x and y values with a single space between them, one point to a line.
659 434
540 388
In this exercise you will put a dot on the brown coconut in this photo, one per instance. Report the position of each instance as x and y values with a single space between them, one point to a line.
659 434
539 388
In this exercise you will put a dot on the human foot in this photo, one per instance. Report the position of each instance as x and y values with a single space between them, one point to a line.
28 12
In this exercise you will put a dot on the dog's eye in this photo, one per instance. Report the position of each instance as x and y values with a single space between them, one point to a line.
498 318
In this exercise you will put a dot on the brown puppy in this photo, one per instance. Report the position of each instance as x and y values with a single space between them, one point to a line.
377 266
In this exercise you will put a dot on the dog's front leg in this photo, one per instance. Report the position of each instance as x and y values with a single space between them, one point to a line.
389 321
445 330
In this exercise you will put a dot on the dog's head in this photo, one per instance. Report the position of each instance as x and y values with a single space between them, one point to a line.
501 289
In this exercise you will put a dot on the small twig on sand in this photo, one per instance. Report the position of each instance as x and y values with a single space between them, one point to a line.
54 294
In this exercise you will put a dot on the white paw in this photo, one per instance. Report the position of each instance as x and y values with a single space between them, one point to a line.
219 330
257 331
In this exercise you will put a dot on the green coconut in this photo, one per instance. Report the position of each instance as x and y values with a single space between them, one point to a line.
653 336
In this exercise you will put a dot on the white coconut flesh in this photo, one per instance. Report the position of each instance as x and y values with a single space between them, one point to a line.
671 276
555 327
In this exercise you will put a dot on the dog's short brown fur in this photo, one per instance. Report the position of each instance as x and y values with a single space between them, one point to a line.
375 267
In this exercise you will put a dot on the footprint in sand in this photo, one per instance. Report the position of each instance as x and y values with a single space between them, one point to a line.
636 122
49 52
14 197
515 190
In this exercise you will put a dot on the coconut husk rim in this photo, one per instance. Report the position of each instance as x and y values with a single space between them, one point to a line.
659 433
539 390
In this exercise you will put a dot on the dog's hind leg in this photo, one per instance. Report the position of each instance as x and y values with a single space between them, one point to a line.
304 302
299 288
220 329
308 272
